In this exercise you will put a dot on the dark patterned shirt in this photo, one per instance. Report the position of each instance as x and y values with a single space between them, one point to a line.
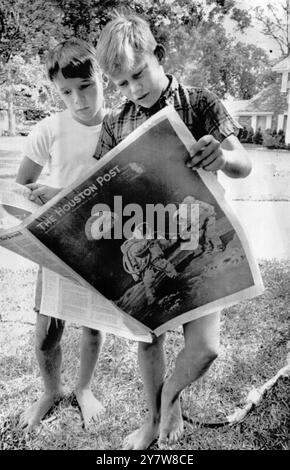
201 111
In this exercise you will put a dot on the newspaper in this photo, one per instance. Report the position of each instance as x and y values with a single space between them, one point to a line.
15 200
62 297
67 300
140 243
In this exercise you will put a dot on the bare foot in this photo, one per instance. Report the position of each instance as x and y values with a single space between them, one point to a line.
142 437
171 426
33 415
91 408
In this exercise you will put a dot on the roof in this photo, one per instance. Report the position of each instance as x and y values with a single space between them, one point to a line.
269 100
283 65
235 105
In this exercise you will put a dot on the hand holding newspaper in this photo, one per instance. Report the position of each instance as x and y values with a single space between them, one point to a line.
15 202
140 243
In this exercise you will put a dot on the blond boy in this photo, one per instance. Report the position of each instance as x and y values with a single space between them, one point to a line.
128 53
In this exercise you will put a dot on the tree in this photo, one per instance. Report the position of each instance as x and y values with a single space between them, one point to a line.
275 22
212 59
27 88
192 32
247 70
86 18
26 29
202 54
199 51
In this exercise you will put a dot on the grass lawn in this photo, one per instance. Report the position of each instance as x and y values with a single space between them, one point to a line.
254 340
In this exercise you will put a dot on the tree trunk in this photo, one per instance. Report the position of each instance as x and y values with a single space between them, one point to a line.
11 115
10 99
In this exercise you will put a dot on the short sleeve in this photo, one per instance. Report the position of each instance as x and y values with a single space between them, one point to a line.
106 140
37 146
217 120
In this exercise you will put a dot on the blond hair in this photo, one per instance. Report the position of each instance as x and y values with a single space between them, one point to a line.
120 40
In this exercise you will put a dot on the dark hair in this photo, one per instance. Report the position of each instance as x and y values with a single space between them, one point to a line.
74 58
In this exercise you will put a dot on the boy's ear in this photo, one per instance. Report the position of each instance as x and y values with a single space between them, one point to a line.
160 53
105 80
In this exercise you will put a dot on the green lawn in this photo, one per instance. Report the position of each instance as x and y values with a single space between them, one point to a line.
254 338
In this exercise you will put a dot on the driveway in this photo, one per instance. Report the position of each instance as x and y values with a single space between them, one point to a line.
268 226
262 202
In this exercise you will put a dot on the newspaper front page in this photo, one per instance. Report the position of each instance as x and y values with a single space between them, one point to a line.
63 295
112 229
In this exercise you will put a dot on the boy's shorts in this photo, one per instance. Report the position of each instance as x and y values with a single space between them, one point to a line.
38 291
37 301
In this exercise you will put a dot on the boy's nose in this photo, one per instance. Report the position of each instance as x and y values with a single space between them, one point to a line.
78 99
136 90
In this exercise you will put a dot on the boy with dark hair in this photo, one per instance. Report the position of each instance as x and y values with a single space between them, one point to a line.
128 53
66 142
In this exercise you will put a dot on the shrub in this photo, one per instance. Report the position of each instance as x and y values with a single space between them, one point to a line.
250 135
243 134
276 140
269 141
258 137
35 114
281 137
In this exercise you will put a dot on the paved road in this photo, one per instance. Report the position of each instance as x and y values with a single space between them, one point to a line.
268 226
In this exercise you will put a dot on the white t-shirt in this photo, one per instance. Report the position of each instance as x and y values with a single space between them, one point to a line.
66 145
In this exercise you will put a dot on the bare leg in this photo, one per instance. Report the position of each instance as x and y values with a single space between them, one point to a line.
91 344
48 352
152 367
201 348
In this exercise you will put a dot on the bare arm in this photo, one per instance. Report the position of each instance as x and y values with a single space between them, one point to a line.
28 172
228 156
40 193
238 163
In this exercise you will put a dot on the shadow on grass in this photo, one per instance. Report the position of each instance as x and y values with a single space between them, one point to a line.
258 343
12 437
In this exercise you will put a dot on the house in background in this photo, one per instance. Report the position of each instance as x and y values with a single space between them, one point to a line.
283 68
270 108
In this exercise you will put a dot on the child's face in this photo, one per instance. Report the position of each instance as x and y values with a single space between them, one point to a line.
82 96
144 83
